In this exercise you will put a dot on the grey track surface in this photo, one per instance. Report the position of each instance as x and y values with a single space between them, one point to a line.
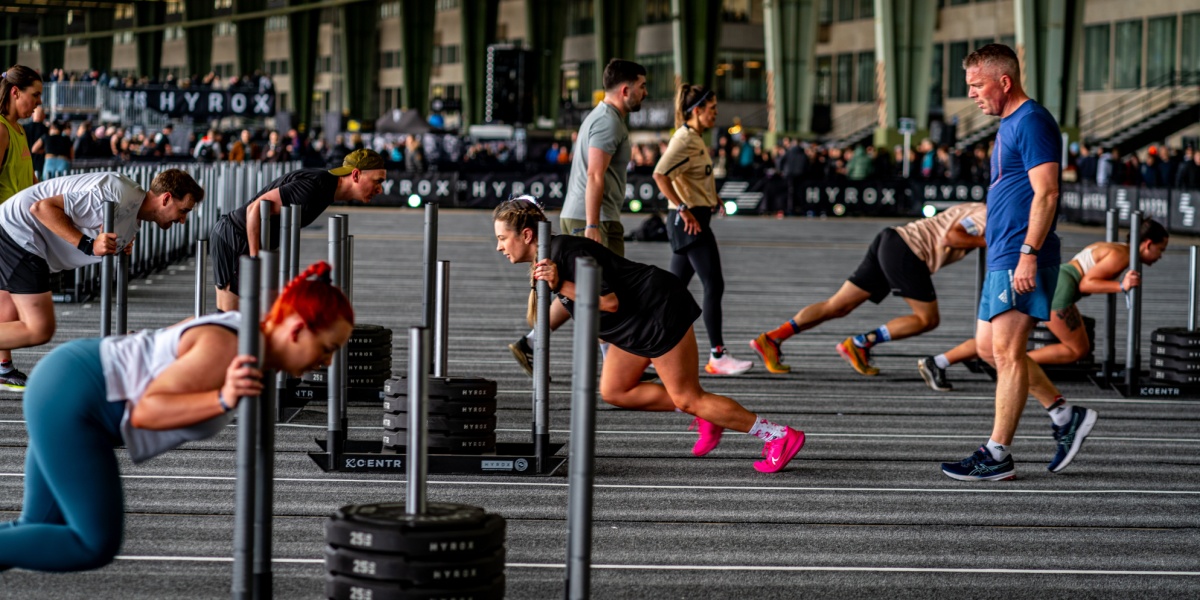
863 511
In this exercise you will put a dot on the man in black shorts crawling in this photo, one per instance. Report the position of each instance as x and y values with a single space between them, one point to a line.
360 178
900 261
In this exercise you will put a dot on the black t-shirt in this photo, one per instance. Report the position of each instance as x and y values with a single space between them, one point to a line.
654 311
58 145
310 189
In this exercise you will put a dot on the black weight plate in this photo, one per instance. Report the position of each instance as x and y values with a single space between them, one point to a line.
1042 335
440 574
445 532
1175 377
446 387
1171 364
372 380
369 354
367 333
1175 352
1176 336
1032 345
315 393
444 443
370 366
341 587
475 407
442 423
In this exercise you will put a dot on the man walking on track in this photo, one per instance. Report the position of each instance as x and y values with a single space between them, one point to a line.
596 185
1023 263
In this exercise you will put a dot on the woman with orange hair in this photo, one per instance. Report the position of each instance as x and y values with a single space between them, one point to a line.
151 391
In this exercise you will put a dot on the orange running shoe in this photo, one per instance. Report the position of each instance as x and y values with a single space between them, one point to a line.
859 358
768 349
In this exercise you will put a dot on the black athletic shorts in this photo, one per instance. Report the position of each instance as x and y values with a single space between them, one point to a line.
21 272
891 266
227 244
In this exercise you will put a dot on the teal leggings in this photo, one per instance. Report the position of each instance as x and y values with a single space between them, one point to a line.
74 513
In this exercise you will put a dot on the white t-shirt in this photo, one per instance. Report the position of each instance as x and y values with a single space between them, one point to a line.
132 361
83 201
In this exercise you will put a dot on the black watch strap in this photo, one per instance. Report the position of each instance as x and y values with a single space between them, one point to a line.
87 245
1027 249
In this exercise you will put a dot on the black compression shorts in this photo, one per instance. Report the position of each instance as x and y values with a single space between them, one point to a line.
891 266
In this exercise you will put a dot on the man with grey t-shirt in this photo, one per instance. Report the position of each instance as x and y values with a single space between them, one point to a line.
58 225
596 185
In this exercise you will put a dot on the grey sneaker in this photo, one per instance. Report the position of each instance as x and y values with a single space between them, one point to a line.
14 380
523 353
934 377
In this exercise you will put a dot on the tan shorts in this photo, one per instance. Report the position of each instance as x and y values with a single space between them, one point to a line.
612 233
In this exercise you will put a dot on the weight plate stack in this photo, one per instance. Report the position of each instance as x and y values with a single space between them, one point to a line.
1175 357
445 443
378 551
444 424
449 408
298 393
369 336
449 388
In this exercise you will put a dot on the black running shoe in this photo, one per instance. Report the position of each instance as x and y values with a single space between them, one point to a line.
1070 437
14 380
934 377
979 466
523 352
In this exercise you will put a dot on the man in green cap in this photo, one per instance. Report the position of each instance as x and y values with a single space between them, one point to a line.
360 178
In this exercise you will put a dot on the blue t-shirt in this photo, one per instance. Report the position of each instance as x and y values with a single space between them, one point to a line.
1027 138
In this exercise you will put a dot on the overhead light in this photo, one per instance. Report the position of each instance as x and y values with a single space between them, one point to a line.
753 64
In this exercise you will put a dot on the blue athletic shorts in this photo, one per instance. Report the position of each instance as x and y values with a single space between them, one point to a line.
998 295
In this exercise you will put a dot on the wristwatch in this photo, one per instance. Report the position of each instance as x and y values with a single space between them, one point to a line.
1027 249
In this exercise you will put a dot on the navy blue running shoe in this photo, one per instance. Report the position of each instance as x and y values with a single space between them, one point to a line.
979 466
1070 437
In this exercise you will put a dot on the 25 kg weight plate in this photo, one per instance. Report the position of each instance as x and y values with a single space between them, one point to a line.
445 443
1176 336
440 574
475 407
1175 352
342 587
446 531
444 424
446 387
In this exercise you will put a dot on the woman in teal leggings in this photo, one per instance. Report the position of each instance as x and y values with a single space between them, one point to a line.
150 391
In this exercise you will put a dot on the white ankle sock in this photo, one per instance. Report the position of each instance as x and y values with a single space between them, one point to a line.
603 350
766 430
941 361
1061 414
529 336
996 449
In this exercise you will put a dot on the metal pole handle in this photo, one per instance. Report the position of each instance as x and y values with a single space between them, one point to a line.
583 429
541 356
441 320
264 450
201 274
107 266
418 461
1134 298
249 342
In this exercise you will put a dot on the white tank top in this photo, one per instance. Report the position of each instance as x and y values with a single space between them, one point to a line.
132 361
1086 260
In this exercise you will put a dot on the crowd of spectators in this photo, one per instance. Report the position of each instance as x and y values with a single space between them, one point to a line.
258 80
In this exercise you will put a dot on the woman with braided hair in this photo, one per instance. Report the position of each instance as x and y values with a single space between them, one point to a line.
646 316
684 175
150 391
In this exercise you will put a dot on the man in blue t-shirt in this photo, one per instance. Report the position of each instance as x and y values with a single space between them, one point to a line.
1023 259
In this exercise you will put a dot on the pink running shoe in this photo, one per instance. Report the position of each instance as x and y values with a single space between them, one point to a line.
778 453
710 436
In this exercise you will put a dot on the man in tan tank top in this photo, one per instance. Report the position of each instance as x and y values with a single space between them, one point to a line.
901 261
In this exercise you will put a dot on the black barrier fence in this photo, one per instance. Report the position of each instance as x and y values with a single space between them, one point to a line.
1079 203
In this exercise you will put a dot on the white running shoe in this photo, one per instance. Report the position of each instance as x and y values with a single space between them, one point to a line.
727 365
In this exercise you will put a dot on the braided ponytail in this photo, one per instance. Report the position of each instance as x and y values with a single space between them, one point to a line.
519 214
312 296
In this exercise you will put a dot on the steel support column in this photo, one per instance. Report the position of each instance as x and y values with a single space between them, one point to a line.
150 43
1048 44
478 32
545 28
903 51
198 38
417 19
696 29
360 60
616 32
790 36
251 36
303 27
100 49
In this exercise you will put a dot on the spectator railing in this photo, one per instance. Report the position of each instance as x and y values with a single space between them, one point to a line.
119 106
1136 105
67 97
227 186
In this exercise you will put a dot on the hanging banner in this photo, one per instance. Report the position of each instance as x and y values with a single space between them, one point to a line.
199 103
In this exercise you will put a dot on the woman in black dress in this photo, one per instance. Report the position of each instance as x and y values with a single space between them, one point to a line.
646 316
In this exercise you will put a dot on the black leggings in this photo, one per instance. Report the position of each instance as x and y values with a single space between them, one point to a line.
704 258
